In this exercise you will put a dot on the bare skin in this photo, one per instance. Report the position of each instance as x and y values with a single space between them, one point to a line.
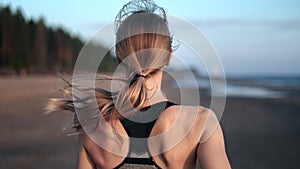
210 154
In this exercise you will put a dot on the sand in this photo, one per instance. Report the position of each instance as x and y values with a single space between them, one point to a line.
259 133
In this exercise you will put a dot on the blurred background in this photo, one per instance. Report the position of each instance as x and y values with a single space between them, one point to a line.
257 42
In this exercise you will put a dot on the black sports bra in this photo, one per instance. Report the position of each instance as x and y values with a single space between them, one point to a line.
139 156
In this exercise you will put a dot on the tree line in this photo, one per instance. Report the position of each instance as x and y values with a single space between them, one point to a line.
33 47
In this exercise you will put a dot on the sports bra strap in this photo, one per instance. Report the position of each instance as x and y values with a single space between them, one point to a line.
142 130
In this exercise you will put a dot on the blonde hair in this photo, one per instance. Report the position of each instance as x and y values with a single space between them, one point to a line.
143 45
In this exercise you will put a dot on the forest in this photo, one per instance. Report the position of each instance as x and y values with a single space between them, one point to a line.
30 46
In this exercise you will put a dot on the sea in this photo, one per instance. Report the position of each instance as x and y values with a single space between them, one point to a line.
249 87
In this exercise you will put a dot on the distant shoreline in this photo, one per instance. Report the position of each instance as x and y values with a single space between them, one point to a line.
268 87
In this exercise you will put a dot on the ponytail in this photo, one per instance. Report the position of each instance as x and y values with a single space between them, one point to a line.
104 100
128 100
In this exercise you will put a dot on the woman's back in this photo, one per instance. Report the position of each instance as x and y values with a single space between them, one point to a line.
182 142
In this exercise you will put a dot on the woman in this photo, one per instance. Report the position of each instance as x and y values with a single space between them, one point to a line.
144 47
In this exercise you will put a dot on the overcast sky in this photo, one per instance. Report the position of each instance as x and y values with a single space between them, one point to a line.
251 36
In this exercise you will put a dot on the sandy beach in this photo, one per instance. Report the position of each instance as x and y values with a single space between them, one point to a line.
260 133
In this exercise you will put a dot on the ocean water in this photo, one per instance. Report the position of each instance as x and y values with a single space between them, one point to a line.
248 87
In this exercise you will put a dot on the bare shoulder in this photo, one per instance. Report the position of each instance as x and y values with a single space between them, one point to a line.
200 111
203 112
183 115
203 116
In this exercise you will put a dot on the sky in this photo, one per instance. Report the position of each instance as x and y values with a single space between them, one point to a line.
252 37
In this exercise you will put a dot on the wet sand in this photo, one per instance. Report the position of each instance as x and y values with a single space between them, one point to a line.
259 133
30 139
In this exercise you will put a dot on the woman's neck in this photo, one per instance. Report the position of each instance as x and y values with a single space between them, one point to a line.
153 85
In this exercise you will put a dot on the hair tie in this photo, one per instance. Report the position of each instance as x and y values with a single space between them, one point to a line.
139 75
